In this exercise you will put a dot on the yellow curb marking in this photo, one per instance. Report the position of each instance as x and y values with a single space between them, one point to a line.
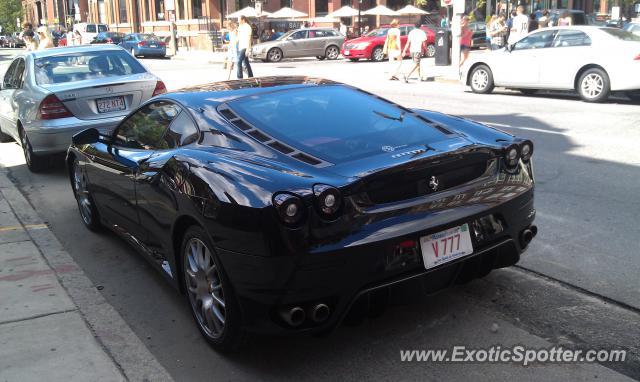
18 227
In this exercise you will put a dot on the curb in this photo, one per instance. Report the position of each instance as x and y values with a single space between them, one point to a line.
115 336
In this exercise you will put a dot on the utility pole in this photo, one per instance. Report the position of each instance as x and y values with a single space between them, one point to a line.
456 31
170 7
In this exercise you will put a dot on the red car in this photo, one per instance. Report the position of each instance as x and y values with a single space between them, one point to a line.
370 45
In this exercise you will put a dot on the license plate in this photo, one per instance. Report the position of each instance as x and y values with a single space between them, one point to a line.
107 105
446 246
346 52
153 46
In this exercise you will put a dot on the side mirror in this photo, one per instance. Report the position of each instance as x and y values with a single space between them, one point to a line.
86 137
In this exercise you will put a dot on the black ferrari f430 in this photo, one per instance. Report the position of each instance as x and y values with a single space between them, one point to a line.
279 204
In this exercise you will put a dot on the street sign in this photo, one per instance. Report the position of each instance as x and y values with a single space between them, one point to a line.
446 3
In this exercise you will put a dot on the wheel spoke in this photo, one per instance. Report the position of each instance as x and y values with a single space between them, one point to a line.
216 311
218 300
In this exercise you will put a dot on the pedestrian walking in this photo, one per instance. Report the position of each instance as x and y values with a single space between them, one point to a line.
244 46
533 23
543 21
488 31
343 29
46 41
415 45
565 20
232 48
519 26
466 39
29 40
498 31
392 48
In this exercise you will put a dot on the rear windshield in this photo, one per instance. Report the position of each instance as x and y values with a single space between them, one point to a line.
149 37
378 32
621 35
335 123
85 66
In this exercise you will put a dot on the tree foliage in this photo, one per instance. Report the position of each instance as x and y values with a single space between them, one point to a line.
10 10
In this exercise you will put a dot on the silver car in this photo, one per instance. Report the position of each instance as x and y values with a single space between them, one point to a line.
308 42
47 96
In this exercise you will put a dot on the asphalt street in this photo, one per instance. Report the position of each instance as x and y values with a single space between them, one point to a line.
577 285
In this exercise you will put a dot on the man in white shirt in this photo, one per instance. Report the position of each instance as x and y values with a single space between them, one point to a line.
519 26
415 43
245 36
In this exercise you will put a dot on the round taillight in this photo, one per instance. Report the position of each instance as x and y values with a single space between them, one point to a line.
512 156
526 150
290 208
328 200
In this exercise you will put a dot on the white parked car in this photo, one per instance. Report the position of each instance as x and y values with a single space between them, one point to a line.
594 61
48 95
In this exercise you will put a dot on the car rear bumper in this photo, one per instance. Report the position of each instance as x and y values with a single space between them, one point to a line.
268 286
54 136
151 51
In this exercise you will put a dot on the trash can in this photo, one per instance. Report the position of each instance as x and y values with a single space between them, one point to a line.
443 47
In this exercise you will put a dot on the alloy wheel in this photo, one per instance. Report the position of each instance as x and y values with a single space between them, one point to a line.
480 79
431 50
592 85
26 148
275 55
378 54
204 288
332 53
82 193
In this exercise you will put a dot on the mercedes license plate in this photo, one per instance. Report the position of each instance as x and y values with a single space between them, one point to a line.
107 105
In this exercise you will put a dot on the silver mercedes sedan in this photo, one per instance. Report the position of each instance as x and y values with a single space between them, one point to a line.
47 96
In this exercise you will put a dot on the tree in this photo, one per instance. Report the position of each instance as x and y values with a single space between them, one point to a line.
10 10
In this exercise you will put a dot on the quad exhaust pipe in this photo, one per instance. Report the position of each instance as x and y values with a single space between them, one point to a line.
293 316
320 313
527 235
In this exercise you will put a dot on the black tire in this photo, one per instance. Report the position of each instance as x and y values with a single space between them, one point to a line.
4 138
274 55
528 92
481 80
354 59
594 85
377 54
214 284
332 52
633 95
35 163
431 50
86 206
321 57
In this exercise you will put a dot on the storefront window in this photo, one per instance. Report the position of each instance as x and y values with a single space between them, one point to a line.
160 14
122 8
196 6
180 5
322 7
